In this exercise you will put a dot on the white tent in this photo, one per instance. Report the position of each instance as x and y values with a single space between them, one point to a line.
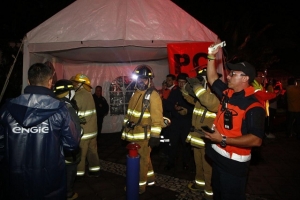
105 39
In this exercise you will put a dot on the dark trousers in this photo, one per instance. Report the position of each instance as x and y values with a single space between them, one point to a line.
269 125
227 186
99 127
293 119
164 146
71 175
178 132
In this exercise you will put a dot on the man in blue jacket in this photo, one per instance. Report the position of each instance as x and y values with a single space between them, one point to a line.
35 128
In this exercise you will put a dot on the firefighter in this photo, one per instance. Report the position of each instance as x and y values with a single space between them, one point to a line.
87 111
143 122
64 90
197 92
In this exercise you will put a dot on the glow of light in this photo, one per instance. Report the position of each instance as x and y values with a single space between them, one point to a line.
134 77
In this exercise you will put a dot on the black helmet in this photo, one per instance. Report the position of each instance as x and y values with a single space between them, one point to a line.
202 72
143 71
62 88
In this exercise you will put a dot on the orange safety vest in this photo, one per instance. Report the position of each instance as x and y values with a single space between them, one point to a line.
233 152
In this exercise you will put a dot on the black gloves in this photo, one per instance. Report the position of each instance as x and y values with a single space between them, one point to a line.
153 142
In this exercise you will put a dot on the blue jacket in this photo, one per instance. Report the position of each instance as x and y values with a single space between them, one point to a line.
35 128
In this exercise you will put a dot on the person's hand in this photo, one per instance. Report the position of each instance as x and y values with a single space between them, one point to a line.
214 52
193 81
181 110
82 119
178 107
189 90
153 142
215 137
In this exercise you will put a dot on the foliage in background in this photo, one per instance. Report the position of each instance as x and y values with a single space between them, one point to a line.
266 33
7 53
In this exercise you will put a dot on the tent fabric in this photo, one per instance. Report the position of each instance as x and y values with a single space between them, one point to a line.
106 39
121 22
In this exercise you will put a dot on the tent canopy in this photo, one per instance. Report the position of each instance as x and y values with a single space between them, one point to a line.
116 31
104 39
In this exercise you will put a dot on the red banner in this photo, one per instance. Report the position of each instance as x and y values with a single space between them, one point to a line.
187 57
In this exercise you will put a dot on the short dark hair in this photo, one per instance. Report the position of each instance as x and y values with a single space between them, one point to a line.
172 76
98 86
39 74
291 81
259 70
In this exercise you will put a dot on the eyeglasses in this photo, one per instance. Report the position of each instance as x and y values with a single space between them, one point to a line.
232 73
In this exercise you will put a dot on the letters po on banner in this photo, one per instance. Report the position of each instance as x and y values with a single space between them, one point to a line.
187 57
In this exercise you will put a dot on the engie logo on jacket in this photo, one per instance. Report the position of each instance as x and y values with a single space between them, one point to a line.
41 128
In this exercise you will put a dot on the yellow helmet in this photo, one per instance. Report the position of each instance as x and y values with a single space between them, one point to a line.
81 78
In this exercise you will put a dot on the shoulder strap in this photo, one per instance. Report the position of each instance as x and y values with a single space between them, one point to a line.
255 104
146 103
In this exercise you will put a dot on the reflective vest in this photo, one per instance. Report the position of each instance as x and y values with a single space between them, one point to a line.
233 152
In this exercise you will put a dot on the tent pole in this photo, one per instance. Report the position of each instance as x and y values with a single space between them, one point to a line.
10 71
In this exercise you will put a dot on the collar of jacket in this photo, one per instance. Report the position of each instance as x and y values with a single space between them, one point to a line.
245 92
32 89
172 87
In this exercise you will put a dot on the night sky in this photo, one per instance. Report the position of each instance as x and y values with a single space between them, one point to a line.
271 28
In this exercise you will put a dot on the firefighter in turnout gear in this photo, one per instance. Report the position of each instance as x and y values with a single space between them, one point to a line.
196 91
64 90
87 111
143 122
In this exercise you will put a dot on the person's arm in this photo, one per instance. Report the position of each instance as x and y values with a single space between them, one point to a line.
212 75
248 140
156 114
206 98
105 106
255 126
70 135
189 98
75 119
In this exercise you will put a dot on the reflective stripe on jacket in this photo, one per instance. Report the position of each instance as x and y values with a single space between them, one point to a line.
204 113
86 106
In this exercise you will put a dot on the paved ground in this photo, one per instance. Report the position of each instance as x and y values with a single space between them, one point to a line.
272 176
275 175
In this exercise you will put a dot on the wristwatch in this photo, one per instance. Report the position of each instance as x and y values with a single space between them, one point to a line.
223 141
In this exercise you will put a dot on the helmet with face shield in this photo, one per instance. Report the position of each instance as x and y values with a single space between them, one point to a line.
143 75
